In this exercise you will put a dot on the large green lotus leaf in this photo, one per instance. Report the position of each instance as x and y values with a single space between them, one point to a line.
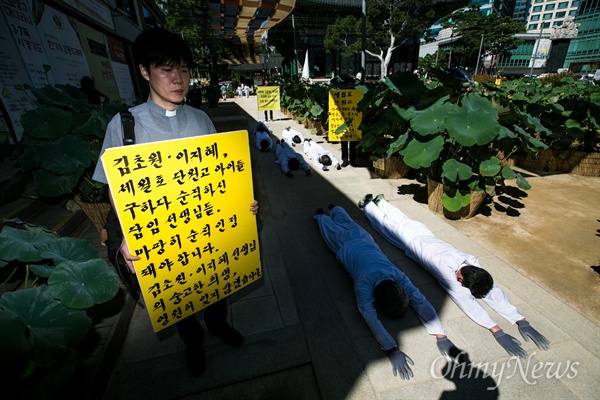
52 326
48 184
420 155
15 349
506 133
490 167
430 121
454 171
69 249
453 199
316 110
476 103
341 128
394 114
52 96
530 139
470 127
397 144
508 173
43 270
368 140
46 123
81 285
65 155
535 124
22 245
89 124
405 83
522 182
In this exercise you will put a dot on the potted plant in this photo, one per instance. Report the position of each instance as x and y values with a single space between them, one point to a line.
455 138
568 108
48 283
60 147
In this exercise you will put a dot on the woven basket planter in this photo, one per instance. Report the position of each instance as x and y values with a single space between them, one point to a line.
573 161
96 212
435 190
391 168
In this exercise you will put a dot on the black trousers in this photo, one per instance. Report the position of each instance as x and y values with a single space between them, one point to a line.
215 318
348 150
266 117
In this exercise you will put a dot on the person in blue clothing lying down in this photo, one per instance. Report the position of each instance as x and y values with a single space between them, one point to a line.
377 281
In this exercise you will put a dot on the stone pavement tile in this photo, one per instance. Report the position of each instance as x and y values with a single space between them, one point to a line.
568 320
574 366
494 380
543 325
166 377
417 390
256 315
141 337
292 384
482 346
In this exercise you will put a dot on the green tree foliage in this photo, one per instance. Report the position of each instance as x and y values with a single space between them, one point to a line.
189 18
471 25
430 61
389 23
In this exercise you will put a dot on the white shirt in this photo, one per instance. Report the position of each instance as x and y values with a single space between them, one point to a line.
441 260
288 135
314 151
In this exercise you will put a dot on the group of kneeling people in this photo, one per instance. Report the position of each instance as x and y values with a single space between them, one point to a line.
378 282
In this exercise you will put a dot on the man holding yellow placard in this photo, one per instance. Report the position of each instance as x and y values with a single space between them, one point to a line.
164 59
342 111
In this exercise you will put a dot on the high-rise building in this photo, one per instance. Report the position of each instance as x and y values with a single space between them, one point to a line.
545 48
544 14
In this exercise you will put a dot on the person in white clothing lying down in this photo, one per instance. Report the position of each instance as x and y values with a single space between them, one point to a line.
292 136
460 274
320 157
377 281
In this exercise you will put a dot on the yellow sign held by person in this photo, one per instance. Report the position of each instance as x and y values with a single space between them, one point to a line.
184 206
268 98
343 111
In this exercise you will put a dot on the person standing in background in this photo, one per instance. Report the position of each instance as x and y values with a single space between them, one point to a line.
266 83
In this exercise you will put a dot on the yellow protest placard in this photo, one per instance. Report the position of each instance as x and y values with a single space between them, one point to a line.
268 98
184 206
343 110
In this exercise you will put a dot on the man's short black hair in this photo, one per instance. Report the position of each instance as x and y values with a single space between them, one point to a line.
158 47
391 298
293 164
325 160
264 144
477 280
296 139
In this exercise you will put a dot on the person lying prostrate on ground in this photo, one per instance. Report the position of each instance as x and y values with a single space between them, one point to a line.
460 274
289 160
320 157
262 137
378 281
292 136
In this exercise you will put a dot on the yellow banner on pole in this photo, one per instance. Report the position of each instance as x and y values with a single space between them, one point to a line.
343 110
184 206
268 98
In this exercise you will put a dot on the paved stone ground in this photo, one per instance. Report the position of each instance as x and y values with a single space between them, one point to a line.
304 336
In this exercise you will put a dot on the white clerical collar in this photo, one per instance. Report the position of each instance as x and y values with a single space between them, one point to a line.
170 113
